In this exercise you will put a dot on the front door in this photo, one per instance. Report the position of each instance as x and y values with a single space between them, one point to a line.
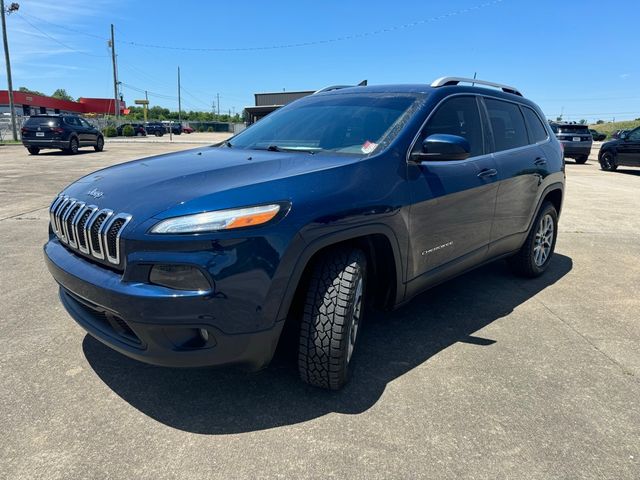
629 149
89 132
452 201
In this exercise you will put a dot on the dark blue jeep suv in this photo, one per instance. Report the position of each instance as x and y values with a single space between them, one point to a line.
346 199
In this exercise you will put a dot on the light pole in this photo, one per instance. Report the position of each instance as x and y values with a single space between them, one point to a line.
12 8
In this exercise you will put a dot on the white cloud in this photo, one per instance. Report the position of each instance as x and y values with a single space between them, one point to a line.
624 76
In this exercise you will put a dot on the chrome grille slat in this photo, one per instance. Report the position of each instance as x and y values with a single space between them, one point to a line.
65 217
81 228
70 223
58 213
87 229
125 218
96 224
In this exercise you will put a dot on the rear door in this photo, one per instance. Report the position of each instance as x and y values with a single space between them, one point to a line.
452 201
521 165
629 149
73 125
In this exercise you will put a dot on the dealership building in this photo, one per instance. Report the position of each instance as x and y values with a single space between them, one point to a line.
268 102
27 104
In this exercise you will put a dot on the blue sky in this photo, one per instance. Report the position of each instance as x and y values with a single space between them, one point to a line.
578 58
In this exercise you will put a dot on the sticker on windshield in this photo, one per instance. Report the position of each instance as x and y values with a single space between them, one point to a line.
368 147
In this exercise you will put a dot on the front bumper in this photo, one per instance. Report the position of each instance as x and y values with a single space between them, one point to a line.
150 323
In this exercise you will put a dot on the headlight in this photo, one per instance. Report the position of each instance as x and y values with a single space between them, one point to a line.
220 220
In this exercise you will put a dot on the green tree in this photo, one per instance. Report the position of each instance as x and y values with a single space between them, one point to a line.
583 122
62 94
600 122
32 92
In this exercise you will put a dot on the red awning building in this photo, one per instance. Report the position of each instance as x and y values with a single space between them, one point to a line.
29 104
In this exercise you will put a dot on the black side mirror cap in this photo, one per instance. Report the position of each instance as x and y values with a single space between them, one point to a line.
442 147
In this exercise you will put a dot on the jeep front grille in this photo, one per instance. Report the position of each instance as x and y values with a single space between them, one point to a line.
88 229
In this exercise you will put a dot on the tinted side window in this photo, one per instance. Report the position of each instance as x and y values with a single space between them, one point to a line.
71 121
537 133
457 116
634 134
507 124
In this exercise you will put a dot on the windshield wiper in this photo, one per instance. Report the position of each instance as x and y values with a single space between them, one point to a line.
227 143
277 148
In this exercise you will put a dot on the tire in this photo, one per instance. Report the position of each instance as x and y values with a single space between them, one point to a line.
73 146
608 162
582 160
99 146
33 150
331 318
158 134
528 262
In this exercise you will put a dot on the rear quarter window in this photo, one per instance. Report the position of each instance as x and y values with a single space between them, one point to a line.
537 132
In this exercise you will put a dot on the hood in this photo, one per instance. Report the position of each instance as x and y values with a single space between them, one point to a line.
148 187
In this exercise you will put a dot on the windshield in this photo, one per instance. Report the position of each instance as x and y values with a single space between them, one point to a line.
356 124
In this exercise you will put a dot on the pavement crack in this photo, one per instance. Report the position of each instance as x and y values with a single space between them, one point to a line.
22 213
623 368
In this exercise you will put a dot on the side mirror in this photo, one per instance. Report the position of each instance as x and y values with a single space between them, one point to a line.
442 147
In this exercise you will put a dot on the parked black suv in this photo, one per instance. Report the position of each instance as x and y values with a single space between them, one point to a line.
66 132
621 151
347 198
597 136
138 129
575 138
155 128
174 127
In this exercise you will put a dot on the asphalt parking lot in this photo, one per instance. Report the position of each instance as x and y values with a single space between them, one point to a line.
487 376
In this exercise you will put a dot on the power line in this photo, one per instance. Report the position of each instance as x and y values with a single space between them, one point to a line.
21 17
343 38
22 14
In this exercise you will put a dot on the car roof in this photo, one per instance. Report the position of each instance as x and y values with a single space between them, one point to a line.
54 115
426 89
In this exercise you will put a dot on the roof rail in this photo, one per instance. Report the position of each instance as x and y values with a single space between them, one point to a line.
444 81
363 83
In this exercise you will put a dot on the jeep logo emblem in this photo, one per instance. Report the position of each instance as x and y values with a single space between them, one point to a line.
95 193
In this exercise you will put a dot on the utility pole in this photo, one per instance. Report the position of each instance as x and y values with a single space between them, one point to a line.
14 7
116 107
218 102
146 107
179 101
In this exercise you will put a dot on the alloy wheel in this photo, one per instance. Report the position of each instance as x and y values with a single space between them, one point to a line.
544 240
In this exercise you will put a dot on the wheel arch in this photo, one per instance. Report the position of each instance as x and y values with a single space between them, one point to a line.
383 259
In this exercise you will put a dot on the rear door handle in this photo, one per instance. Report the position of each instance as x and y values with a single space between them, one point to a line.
488 172
540 161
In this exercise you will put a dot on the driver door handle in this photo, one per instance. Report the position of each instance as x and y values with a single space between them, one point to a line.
488 172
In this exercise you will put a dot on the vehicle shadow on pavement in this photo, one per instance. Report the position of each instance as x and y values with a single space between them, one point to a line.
628 172
60 153
226 401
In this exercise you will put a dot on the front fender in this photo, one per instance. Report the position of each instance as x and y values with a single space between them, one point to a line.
302 250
